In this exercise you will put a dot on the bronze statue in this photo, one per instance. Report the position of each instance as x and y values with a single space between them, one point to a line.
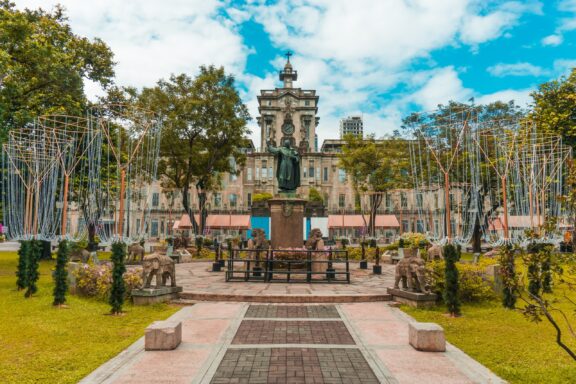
287 167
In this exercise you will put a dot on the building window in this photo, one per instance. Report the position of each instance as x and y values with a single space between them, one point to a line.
138 225
270 173
217 200
162 227
436 227
232 198
154 228
453 227
311 169
249 199
420 226
403 200
304 172
155 199
405 226
341 175
325 176
264 170
307 103
257 173
232 177
249 174
435 201
342 200
419 200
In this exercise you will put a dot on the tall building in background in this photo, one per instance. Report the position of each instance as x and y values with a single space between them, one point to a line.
352 125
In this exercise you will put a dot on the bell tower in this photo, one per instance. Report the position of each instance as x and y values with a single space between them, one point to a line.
288 113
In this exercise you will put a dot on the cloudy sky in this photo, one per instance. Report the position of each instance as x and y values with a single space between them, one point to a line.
379 58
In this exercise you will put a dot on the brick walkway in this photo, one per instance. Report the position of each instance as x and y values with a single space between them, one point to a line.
225 343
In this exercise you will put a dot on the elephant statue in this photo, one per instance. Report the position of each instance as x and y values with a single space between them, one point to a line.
435 252
160 266
411 271
81 255
134 251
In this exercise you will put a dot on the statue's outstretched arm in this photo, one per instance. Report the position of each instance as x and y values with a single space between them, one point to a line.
271 149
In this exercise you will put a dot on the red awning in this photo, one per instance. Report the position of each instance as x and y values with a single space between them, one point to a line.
228 221
356 221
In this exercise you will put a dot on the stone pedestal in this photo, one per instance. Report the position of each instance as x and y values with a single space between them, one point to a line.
147 296
287 222
163 336
413 299
428 337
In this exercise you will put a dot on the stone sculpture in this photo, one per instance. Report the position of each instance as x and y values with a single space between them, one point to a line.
435 252
81 255
316 243
411 271
134 251
288 168
160 266
258 242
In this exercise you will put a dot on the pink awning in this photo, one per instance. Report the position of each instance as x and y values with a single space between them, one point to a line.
176 225
497 224
356 221
228 221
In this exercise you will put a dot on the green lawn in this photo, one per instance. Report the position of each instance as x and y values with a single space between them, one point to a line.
42 344
506 342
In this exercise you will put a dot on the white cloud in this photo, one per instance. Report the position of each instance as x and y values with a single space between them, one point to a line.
553 40
152 39
521 97
563 67
444 85
518 69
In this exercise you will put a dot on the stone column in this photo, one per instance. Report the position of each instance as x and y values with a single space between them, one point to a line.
287 225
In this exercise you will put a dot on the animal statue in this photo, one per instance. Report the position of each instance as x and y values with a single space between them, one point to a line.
160 266
134 251
411 271
81 255
316 243
435 252
258 242
491 254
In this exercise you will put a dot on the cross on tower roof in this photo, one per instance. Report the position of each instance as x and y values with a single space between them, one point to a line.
288 54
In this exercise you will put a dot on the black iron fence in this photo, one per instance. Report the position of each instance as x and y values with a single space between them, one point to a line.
288 265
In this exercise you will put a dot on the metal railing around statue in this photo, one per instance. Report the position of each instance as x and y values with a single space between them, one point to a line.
288 265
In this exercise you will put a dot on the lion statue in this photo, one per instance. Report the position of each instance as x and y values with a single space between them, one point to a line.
316 243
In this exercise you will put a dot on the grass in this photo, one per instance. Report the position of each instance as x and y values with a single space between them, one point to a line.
43 344
503 340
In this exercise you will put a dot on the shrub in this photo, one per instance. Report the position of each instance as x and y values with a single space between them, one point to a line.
118 289
33 273
96 281
414 240
314 195
474 286
509 278
451 289
60 274
265 196
356 253
23 260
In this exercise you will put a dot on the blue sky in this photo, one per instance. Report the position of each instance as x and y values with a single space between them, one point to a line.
380 58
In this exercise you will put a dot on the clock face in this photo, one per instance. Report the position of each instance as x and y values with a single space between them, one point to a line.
288 128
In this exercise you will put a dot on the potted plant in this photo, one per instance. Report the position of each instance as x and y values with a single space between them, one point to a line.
363 261
377 268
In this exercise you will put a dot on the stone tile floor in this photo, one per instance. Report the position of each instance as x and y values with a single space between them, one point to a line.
366 343
288 311
200 283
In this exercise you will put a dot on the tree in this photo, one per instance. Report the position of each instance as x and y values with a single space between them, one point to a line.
34 252
23 261
554 110
61 274
118 290
451 298
204 133
375 167
43 65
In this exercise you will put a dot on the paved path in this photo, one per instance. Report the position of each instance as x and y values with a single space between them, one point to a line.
226 343
199 283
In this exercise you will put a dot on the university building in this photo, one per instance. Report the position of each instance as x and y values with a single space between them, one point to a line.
291 114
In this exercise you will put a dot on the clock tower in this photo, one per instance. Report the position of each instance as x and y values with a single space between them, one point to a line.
288 113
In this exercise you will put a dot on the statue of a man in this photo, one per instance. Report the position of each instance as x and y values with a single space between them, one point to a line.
287 167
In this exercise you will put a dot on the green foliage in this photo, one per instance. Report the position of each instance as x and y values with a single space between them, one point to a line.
554 107
35 252
450 294
355 253
61 273
509 278
314 195
264 196
401 243
118 290
96 281
538 261
46 64
199 241
473 286
23 261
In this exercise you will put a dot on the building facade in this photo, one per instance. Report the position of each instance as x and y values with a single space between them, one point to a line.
352 125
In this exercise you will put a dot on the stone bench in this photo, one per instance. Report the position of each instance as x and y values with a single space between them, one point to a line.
163 336
428 337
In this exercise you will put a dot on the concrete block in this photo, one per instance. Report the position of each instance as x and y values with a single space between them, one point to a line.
428 337
163 336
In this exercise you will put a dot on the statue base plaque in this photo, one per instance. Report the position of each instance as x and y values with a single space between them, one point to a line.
287 222
146 296
413 299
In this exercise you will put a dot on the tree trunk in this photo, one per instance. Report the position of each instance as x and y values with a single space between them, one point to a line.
91 237
375 201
